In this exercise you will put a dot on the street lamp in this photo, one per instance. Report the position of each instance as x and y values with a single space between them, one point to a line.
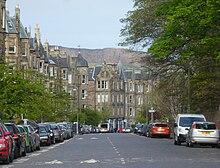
77 115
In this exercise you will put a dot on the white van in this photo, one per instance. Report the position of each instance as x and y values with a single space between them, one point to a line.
182 125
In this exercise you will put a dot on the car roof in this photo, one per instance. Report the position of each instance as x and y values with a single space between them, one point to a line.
190 115
200 122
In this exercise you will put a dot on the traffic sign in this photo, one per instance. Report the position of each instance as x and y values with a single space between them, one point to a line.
151 110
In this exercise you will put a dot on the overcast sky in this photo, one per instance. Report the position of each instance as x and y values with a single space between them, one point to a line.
92 24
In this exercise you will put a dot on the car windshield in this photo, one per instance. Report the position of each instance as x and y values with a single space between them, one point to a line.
161 125
10 128
21 129
138 125
104 126
54 127
43 130
188 121
205 126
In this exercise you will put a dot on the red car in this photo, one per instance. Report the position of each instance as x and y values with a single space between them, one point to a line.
159 129
20 144
6 145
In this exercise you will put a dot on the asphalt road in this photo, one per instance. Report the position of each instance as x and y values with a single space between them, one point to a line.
119 151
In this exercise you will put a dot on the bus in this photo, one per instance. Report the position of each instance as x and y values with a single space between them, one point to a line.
104 127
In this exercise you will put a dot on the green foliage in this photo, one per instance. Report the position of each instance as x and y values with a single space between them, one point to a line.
21 95
185 38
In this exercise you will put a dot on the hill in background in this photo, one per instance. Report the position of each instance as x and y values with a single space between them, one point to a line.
109 55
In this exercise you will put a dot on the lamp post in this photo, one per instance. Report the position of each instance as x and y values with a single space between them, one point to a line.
77 115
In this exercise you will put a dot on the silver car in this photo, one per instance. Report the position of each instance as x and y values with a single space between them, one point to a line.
203 133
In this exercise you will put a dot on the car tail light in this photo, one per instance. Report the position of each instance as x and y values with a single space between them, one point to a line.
15 136
194 126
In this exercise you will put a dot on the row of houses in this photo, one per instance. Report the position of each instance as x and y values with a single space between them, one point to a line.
118 90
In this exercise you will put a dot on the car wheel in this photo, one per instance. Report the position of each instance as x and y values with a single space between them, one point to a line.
176 140
54 141
191 144
24 152
187 144
7 161
38 147
214 146
11 157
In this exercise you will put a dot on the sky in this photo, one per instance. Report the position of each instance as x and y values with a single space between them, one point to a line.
91 24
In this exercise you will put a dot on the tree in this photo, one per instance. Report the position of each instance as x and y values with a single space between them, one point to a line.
21 95
185 45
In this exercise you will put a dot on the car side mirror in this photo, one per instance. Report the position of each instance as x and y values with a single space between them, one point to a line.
175 124
187 129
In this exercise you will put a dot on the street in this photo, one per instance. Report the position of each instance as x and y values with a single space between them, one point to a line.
119 151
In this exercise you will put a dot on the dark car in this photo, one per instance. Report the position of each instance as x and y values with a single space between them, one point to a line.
138 128
20 144
7 145
49 129
44 135
145 130
57 132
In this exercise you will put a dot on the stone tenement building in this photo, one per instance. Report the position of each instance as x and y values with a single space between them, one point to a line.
2 27
117 90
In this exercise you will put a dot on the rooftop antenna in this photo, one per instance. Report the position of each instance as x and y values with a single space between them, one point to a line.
78 49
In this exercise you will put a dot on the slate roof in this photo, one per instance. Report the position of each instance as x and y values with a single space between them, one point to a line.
10 26
81 62
59 61
11 29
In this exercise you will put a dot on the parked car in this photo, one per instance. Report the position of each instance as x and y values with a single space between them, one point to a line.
7 145
159 129
182 125
144 130
29 122
49 129
127 129
44 135
26 136
63 131
203 133
57 132
68 129
138 128
20 143
35 137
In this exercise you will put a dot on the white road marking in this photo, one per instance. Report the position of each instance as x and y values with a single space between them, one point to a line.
93 138
22 160
91 161
123 160
116 150
34 154
7 166
54 162
42 151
